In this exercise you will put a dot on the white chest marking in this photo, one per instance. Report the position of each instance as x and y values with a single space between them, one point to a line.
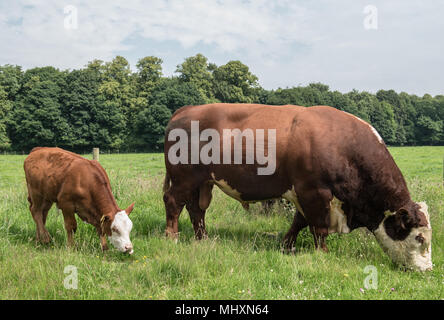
338 219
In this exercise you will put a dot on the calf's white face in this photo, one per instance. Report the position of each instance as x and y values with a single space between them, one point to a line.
415 251
120 231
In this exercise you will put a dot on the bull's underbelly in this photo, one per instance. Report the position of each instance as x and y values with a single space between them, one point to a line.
337 218
247 190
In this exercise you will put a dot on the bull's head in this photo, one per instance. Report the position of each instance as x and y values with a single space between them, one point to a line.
118 229
406 236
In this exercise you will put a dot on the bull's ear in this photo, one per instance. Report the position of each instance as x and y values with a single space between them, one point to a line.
129 209
404 218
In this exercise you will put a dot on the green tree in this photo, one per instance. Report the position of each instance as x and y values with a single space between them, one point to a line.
383 119
429 131
199 72
36 119
116 104
5 109
150 127
80 102
148 75
174 94
233 82
11 80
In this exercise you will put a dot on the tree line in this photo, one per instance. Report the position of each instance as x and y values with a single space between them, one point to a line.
107 105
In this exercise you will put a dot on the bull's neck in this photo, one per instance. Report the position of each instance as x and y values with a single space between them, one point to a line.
387 192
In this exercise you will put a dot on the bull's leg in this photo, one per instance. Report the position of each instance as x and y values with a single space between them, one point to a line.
316 205
319 236
267 205
174 203
196 206
298 224
39 210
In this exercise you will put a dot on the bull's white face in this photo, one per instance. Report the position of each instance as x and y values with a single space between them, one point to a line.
120 232
415 251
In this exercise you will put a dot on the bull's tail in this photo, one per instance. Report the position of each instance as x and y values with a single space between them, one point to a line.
166 182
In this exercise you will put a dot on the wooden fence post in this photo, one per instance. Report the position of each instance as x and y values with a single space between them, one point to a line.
96 154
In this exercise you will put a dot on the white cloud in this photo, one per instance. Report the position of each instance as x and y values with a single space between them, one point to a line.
284 42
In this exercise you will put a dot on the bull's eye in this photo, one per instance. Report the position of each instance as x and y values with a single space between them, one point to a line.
420 238
114 229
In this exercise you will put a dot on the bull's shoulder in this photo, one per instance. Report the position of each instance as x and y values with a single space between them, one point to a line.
181 110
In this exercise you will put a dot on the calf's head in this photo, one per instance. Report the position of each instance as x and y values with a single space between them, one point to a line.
118 229
406 236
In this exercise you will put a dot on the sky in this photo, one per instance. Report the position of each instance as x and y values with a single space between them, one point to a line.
363 45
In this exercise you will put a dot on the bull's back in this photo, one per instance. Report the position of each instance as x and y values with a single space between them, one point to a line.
230 115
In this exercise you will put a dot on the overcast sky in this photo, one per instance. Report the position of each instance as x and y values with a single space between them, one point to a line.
284 42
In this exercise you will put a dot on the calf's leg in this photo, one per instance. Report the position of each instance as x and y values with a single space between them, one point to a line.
39 210
70 223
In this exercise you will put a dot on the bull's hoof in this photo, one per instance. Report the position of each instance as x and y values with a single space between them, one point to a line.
44 238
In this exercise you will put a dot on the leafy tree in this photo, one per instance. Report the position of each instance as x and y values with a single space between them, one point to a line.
233 82
199 72
36 119
80 100
148 75
5 108
383 119
116 104
150 126
429 131
175 94
10 80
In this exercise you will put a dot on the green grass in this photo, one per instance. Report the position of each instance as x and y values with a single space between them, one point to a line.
240 260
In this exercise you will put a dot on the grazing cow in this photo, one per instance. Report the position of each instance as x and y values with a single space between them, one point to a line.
76 185
332 165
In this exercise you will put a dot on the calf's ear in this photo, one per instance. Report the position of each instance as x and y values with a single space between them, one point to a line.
129 209
105 224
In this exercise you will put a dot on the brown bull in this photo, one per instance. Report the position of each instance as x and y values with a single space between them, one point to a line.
332 165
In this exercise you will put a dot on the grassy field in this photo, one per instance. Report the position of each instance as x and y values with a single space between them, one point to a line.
240 260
